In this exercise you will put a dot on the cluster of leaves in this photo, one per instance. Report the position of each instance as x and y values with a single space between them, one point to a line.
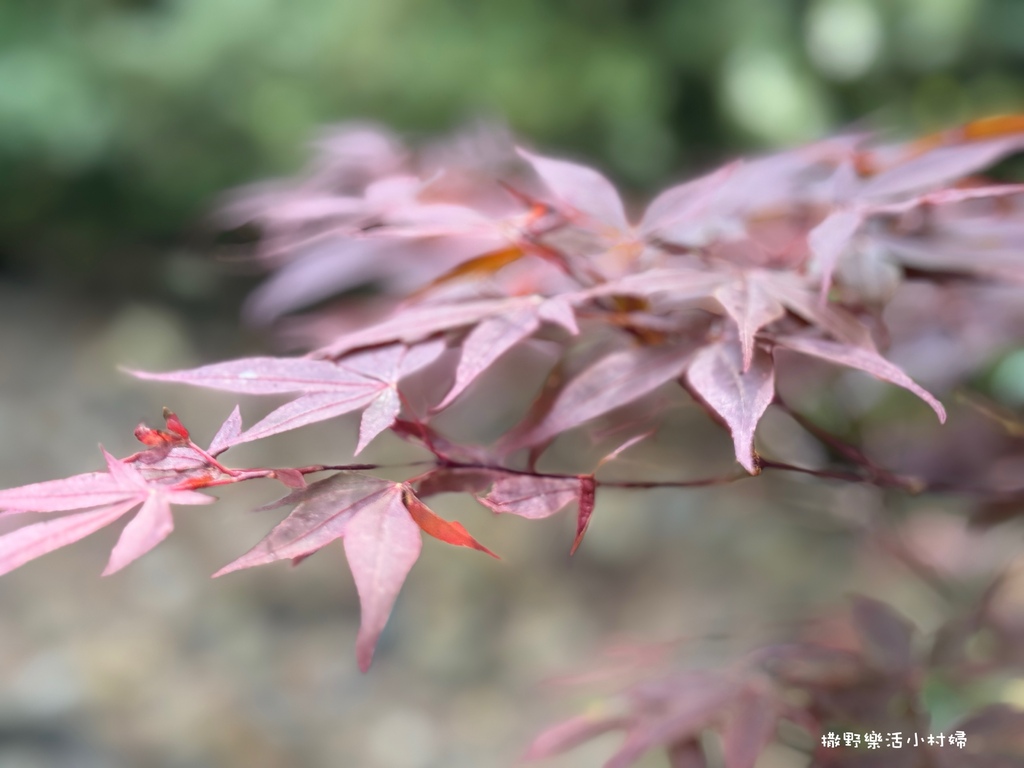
479 249
862 671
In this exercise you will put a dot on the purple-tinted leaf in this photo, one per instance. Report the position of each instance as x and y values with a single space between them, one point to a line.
940 166
267 376
829 240
290 477
749 728
687 713
795 296
581 188
950 197
863 359
308 409
570 734
739 397
887 635
390 363
382 542
558 310
684 203
419 322
953 255
613 381
486 343
531 496
774 181
89 490
588 493
327 269
456 480
228 433
378 416
323 512
681 284
31 541
752 308
328 389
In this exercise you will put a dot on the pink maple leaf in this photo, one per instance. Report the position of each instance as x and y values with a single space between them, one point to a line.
367 380
379 522
107 496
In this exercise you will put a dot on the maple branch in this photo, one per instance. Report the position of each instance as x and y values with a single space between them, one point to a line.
876 475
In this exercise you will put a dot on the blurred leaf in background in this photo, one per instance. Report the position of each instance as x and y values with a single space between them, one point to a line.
121 120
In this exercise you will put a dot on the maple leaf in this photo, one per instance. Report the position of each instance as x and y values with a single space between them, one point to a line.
108 496
367 380
420 322
457 480
531 496
592 202
615 380
571 733
751 306
495 335
739 396
379 522
862 359
830 239
677 213
679 284
536 497
227 433
692 701
584 190
939 166
749 727
588 493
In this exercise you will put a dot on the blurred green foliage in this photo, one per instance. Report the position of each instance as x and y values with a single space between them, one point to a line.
120 120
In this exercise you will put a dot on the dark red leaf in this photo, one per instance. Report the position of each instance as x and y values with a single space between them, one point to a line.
174 424
531 496
588 491
456 480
